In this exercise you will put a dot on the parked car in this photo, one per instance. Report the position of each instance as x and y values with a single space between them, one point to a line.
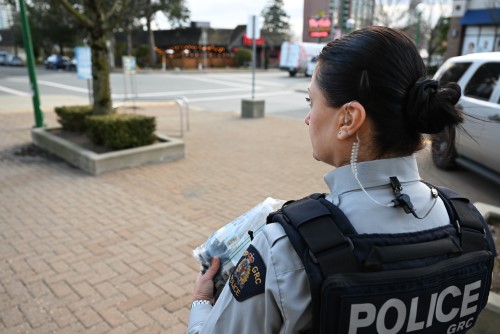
8 59
477 146
14 61
57 62
72 64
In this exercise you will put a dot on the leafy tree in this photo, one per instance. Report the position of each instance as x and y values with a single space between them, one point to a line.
275 18
143 13
51 26
130 22
98 18
438 41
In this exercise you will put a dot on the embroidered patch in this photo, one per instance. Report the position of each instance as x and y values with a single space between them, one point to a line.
249 275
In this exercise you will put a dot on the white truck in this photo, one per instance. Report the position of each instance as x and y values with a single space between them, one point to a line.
295 56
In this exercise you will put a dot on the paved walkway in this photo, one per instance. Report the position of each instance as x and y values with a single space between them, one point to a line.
112 253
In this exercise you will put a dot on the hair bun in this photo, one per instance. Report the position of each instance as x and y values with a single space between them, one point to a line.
429 108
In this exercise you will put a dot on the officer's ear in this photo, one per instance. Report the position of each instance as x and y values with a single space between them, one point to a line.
352 117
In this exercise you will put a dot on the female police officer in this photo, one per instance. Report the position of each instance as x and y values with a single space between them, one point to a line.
370 105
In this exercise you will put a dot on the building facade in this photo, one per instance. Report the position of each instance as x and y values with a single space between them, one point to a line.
194 46
6 15
474 27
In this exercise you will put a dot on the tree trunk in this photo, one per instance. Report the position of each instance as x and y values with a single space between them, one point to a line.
100 73
95 21
129 40
151 42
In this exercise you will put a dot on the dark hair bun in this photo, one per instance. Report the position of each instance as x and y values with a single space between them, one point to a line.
430 108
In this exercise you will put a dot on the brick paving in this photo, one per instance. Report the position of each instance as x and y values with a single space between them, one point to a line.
112 253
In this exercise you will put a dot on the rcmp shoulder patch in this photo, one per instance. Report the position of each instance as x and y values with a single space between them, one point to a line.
249 275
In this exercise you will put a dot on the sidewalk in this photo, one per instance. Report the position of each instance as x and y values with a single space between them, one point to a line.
112 253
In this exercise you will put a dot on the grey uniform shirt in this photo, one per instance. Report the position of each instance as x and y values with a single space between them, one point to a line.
284 305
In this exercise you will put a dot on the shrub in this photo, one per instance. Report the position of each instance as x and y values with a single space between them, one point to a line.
142 55
72 118
120 131
243 57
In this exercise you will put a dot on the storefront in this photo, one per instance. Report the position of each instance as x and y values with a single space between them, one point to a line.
481 30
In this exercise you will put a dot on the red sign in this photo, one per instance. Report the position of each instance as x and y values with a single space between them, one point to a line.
248 41
320 27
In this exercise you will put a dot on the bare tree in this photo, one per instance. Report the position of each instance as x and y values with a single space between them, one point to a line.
391 13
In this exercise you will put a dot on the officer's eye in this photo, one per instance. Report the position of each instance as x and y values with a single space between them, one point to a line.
308 100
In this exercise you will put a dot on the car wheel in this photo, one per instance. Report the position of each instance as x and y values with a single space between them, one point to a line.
444 153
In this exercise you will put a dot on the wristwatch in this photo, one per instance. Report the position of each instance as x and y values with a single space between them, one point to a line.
200 302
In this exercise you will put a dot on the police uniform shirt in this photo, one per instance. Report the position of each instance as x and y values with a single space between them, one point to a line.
269 290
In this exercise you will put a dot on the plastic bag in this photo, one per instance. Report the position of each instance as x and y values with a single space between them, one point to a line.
230 241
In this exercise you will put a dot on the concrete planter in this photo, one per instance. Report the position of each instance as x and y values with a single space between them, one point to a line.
166 149
489 320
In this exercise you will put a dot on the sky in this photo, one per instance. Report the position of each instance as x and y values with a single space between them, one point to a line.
230 13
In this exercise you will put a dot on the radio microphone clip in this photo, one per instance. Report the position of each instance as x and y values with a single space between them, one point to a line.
401 200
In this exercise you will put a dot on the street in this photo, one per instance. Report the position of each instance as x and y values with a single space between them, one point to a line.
213 91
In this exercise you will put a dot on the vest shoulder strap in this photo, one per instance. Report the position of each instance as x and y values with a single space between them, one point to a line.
467 220
318 222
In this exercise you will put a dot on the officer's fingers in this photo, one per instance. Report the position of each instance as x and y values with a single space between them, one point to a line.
214 267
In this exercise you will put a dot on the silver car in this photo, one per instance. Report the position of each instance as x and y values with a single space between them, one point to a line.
477 146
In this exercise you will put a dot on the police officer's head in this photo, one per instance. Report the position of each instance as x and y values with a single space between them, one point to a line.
381 69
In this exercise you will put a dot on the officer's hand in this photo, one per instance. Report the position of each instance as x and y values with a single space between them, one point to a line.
204 285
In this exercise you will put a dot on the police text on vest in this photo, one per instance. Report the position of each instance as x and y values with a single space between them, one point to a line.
366 315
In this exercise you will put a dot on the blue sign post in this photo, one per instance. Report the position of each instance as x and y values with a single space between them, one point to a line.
84 66
83 62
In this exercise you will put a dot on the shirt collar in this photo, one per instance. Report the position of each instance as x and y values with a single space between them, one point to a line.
374 173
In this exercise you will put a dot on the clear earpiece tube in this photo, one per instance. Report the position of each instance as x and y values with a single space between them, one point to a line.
354 169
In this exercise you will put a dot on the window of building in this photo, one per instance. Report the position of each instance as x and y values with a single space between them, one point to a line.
481 39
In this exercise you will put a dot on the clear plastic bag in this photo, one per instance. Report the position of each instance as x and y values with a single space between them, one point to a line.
230 241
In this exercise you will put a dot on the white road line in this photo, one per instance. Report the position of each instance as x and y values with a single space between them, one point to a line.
186 92
53 84
243 79
13 91
232 97
234 80
236 88
220 82
57 85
